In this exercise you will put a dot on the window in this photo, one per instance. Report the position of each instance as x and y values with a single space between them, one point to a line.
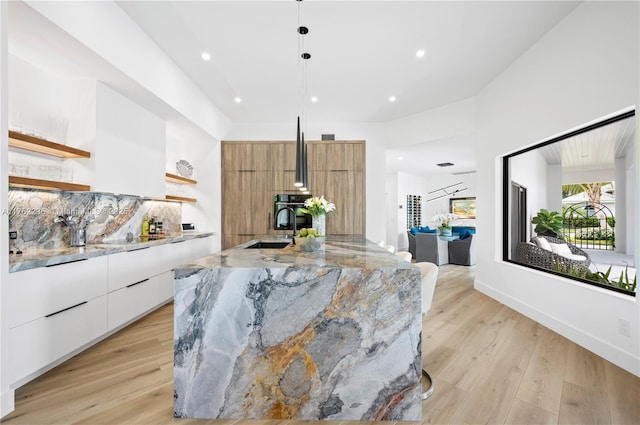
569 204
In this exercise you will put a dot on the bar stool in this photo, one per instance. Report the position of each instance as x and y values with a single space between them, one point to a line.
406 255
429 272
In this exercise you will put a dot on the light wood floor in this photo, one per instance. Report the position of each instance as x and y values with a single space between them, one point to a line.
491 365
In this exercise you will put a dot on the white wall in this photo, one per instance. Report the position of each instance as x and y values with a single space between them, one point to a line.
620 212
375 140
203 152
449 121
394 213
583 69
105 29
530 171
6 395
554 188
409 184
35 97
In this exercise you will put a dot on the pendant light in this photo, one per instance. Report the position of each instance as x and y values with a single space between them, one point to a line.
298 182
445 190
301 175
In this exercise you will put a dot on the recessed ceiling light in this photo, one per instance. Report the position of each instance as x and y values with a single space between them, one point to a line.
400 158
238 100
205 56
420 53
392 98
314 99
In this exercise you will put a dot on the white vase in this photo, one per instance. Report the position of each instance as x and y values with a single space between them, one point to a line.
318 222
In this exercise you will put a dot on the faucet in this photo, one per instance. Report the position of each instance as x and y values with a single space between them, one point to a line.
293 215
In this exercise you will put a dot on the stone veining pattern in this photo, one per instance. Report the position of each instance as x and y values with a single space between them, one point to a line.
32 213
328 335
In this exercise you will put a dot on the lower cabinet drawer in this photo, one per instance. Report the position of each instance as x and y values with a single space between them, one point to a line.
40 342
31 294
130 267
131 301
165 286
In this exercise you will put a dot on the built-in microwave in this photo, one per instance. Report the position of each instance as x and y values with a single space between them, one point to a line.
282 214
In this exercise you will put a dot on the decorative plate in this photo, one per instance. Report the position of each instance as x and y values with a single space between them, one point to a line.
184 168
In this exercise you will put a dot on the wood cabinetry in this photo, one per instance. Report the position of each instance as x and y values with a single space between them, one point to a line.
338 173
255 171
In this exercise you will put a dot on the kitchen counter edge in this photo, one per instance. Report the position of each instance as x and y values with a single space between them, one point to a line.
58 256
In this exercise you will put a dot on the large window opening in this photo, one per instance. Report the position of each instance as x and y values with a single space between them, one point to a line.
569 205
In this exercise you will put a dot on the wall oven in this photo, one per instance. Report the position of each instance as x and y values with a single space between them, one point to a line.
283 219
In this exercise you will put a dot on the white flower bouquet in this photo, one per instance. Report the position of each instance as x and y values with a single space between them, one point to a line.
316 206
444 219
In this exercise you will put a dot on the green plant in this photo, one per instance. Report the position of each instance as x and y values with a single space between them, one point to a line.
623 281
548 223
595 234
578 221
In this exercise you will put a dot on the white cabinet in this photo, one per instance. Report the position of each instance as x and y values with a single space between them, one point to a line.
134 266
130 147
132 301
36 344
38 292
178 253
53 312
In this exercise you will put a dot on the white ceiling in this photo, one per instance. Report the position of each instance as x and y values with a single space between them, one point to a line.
362 53
596 149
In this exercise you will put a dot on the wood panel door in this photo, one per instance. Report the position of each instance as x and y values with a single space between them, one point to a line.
261 198
237 187
346 190
247 156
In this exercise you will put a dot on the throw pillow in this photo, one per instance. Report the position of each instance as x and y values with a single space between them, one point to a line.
560 249
414 230
425 230
543 244
465 234
563 250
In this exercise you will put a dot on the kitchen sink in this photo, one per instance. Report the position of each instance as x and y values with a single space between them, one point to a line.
268 245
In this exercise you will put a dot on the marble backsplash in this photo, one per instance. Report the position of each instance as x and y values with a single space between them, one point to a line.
32 213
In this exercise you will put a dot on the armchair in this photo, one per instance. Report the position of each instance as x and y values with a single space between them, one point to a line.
463 251
428 247
531 254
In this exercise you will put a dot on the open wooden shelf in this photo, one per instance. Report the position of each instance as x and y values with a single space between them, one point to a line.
36 144
173 178
17 181
180 198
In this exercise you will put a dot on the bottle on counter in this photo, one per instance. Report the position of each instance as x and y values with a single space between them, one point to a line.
152 226
145 226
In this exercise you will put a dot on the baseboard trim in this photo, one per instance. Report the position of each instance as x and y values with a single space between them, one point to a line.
603 349
7 402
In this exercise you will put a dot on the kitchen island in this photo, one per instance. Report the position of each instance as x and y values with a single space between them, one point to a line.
284 334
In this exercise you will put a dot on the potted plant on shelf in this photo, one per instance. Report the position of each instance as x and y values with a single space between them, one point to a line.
444 223
548 223
318 207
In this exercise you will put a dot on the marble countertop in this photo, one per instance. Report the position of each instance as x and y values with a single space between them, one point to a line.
337 251
48 257
281 334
